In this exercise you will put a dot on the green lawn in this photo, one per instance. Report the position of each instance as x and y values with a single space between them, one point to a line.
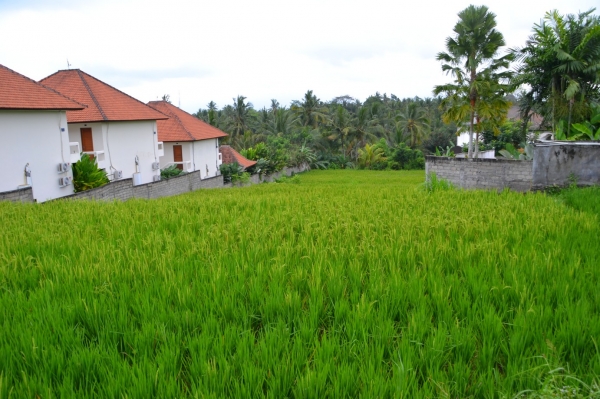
348 284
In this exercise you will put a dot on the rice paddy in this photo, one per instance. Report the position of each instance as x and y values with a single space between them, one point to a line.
348 284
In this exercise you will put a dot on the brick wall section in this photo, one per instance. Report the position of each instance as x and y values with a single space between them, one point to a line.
493 174
124 189
20 195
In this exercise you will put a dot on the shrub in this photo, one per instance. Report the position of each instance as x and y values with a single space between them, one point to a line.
171 171
231 172
87 175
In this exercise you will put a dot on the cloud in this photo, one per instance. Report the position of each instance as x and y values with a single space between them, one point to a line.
132 77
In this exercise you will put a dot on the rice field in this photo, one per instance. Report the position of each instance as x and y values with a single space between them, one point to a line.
348 284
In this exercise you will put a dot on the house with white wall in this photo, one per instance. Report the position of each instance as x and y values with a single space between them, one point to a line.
35 149
189 143
119 131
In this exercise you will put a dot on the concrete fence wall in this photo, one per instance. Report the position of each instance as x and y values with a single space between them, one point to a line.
482 173
560 164
124 189
554 164
20 195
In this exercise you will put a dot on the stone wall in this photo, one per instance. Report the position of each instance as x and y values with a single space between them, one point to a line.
124 189
563 163
482 173
20 195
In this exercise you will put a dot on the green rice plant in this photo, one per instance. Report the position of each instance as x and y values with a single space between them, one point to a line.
354 283
433 183
295 179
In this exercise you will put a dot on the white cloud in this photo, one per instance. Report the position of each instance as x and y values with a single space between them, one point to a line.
199 51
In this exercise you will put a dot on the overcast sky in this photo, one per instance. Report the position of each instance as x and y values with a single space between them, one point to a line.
198 51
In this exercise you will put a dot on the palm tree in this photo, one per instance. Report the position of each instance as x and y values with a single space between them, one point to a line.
370 155
311 111
413 123
239 119
282 122
471 54
560 64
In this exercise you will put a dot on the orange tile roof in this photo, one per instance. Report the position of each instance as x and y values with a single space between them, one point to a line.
229 155
104 102
20 92
182 126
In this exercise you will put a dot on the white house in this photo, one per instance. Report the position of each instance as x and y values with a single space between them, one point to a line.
115 128
189 142
35 149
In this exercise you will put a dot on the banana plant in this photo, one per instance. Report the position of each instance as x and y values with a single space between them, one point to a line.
588 127
441 152
510 152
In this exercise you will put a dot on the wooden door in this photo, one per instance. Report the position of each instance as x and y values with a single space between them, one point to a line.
87 143
178 156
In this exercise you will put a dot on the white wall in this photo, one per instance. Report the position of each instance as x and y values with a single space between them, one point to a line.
34 137
203 154
121 142
186 150
206 154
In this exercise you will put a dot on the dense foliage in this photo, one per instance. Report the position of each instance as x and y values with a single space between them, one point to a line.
87 175
171 171
346 284
331 134
560 66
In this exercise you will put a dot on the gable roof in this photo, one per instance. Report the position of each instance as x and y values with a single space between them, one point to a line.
104 102
182 126
536 120
20 92
229 155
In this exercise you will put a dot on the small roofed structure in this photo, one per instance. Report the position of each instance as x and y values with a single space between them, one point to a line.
232 156
115 128
34 142
189 143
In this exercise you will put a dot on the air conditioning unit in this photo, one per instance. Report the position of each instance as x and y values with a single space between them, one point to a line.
63 167
64 181
155 165
156 178
118 174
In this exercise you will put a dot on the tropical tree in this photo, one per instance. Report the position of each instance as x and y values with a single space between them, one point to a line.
311 111
370 155
413 123
471 58
560 64
239 119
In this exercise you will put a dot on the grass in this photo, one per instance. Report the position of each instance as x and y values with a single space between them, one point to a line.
348 284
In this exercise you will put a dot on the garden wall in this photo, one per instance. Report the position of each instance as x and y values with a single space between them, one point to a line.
563 163
20 195
482 173
124 189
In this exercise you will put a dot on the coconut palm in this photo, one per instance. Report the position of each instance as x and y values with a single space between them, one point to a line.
370 155
240 116
310 111
472 53
413 123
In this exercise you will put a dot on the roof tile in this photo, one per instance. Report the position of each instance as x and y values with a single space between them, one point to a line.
182 126
229 155
104 102
20 92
